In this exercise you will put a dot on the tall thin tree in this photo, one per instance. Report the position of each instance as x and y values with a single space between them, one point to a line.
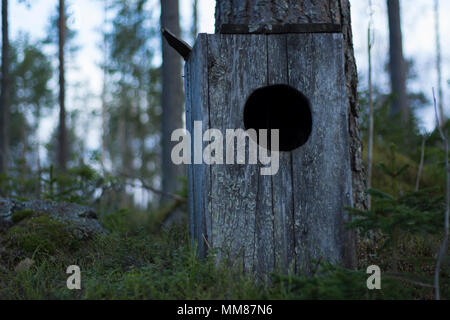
444 245
396 61
172 96
439 63
194 19
104 89
4 103
62 133
370 39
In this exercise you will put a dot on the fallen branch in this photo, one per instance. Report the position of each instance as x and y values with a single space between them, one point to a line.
413 282
145 186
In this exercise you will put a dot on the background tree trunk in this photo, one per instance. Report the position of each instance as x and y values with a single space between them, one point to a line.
105 87
62 135
172 98
273 12
439 63
371 115
194 19
397 63
4 106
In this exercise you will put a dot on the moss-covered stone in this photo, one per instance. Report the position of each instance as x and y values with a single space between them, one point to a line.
21 215
81 220
43 234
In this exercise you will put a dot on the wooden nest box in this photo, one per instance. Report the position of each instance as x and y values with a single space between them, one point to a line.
291 78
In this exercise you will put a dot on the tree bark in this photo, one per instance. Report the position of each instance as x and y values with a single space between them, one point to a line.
397 62
4 106
275 12
172 98
62 134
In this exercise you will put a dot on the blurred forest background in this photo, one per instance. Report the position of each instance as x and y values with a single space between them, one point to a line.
87 107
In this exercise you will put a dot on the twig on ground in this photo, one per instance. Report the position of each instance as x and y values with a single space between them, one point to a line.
422 159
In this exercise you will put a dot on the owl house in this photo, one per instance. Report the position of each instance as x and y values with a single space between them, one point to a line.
290 78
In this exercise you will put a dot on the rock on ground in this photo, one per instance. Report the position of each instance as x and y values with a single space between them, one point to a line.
81 220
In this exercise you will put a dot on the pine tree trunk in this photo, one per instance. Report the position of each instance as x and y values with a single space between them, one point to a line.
275 12
397 63
4 106
172 97
62 134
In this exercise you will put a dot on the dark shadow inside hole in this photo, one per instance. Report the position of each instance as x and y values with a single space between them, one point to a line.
280 107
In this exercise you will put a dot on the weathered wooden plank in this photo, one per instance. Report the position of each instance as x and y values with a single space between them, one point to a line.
264 222
283 192
237 66
321 168
264 218
197 110
188 69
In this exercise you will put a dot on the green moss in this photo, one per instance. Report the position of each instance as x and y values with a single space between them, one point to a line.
164 266
42 234
21 215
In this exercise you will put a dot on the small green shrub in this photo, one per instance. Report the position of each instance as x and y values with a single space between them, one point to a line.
118 221
336 283
403 230
21 215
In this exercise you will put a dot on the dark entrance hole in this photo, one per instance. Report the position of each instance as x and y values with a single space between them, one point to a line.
280 107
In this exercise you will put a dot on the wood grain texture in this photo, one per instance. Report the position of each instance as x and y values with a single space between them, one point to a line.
198 174
257 13
284 221
321 168
283 191
281 29
234 188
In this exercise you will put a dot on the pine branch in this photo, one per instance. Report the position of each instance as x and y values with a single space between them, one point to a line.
416 283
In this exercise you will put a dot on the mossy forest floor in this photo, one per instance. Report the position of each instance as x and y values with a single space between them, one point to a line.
139 260
133 263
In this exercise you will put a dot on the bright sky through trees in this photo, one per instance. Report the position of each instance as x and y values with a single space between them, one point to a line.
418 29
